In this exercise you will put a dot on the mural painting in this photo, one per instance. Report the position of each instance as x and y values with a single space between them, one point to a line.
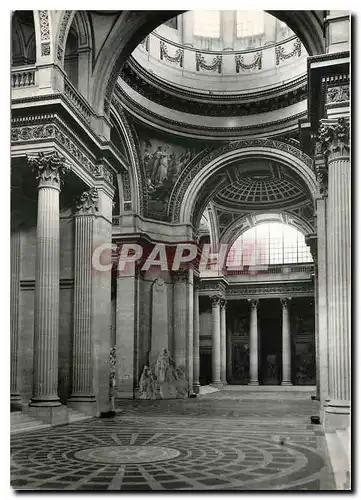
163 162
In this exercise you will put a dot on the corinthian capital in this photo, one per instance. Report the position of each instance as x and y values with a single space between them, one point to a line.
334 136
216 300
88 202
253 303
49 168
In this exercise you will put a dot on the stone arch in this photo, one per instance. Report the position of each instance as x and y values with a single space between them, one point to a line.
136 175
132 26
189 184
235 229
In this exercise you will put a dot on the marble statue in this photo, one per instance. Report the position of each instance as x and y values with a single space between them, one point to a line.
147 384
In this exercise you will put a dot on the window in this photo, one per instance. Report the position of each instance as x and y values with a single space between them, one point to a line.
207 23
269 243
250 23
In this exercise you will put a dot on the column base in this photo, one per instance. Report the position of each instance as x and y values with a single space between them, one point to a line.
286 382
15 402
84 405
53 415
337 415
217 384
253 382
196 388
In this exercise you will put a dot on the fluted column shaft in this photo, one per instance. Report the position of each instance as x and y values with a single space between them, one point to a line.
216 341
339 263
196 384
286 343
334 138
253 343
82 387
223 343
47 269
14 313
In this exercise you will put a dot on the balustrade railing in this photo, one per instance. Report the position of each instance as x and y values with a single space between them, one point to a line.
77 101
272 269
23 77
244 60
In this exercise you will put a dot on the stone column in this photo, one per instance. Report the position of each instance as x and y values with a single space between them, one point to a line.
45 399
190 332
229 358
286 343
311 242
196 384
253 343
180 318
82 397
223 343
101 292
321 205
334 138
15 398
216 341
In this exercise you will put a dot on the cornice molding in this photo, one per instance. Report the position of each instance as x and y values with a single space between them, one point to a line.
198 103
201 131
40 128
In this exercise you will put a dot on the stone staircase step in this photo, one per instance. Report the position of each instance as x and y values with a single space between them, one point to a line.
21 422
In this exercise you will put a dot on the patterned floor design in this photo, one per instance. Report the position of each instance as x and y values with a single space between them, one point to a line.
222 441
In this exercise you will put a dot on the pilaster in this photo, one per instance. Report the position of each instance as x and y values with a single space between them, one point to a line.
286 343
15 398
83 397
196 366
223 343
216 340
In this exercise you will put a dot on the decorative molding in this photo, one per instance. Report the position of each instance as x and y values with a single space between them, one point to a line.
44 25
139 168
45 49
253 303
63 26
219 105
257 62
321 172
280 51
338 93
127 190
216 300
88 202
192 169
54 131
216 64
283 289
177 58
285 302
334 136
49 168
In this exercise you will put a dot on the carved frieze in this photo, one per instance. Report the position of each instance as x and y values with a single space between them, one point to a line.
338 93
256 63
53 131
216 64
280 51
49 168
177 58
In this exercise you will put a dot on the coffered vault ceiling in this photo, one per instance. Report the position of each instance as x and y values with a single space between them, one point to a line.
257 185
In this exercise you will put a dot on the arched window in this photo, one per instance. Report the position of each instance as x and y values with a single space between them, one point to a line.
207 23
250 23
269 243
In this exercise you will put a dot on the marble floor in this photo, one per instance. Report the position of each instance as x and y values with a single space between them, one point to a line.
227 440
